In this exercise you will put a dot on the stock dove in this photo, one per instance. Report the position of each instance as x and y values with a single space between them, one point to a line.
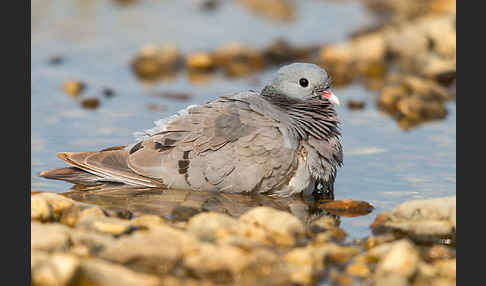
282 141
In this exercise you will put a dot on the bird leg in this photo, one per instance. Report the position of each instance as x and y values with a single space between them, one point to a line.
323 191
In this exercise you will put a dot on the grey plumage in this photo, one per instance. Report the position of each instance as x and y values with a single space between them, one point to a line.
281 141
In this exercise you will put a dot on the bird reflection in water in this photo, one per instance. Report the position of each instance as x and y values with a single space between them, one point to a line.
166 203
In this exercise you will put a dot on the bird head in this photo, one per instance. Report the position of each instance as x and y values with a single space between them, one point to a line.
302 81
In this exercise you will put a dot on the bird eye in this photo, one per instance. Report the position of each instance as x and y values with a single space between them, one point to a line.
303 82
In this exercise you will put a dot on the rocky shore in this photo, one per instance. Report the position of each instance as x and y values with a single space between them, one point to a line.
76 243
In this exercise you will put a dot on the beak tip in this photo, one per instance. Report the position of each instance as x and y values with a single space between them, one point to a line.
334 98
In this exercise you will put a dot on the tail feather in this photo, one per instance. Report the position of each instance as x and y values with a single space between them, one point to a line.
103 166
71 174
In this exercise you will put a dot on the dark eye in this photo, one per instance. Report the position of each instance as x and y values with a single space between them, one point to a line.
303 82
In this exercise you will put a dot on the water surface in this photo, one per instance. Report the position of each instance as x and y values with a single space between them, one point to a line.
383 164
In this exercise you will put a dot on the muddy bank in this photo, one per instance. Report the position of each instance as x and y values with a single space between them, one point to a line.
79 243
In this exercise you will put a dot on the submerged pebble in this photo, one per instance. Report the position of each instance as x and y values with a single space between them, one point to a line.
200 62
90 103
56 60
175 95
279 10
209 5
154 62
183 213
356 105
108 92
238 60
280 51
74 88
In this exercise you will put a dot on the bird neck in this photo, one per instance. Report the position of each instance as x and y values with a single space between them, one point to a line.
314 117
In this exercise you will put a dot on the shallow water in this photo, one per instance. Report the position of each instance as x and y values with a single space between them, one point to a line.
383 164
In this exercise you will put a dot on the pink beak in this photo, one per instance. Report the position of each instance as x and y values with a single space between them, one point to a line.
332 98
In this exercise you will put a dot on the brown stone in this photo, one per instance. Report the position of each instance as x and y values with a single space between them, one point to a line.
340 254
221 264
424 217
212 226
390 96
356 105
401 259
90 103
99 272
57 269
347 207
238 60
49 206
271 225
358 269
305 263
437 252
49 237
154 62
109 225
200 62
74 88
71 216
157 250
280 10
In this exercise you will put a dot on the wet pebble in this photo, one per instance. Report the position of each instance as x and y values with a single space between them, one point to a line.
108 92
210 5
56 269
431 217
360 269
270 225
238 60
175 95
340 279
73 88
340 254
55 60
99 272
356 105
71 216
40 210
390 96
347 207
154 62
155 107
49 237
305 263
200 62
183 213
109 225
90 103
412 100
402 258
148 221
324 223
446 78
279 10
220 264
211 226
280 51
437 252
447 268
159 249
49 206
118 213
